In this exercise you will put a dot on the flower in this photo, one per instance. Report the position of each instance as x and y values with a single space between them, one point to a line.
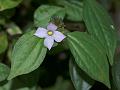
50 34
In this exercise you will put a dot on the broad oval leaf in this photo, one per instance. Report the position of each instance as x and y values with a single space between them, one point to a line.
73 8
3 42
4 72
100 25
44 13
80 80
28 53
7 4
90 56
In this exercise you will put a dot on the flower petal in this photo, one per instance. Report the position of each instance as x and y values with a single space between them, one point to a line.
58 36
52 27
48 42
41 32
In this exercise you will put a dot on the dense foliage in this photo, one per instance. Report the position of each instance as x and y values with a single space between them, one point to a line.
84 59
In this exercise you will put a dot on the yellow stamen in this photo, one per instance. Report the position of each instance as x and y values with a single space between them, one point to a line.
50 33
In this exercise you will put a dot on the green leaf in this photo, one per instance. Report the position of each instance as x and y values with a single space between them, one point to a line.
44 13
4 72
13 29
28 53
80 80
7 4
90 56
3 42
73 8
100 25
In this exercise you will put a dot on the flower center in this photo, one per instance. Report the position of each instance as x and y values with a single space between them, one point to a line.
50 33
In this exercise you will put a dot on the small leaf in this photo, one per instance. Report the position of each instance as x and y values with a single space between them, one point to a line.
100 25
13 29
28 53
44 13
3 42
80 80
7 4
73 8
90 56
4 72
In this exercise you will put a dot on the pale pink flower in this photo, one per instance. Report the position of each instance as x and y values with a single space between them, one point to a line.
50 34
